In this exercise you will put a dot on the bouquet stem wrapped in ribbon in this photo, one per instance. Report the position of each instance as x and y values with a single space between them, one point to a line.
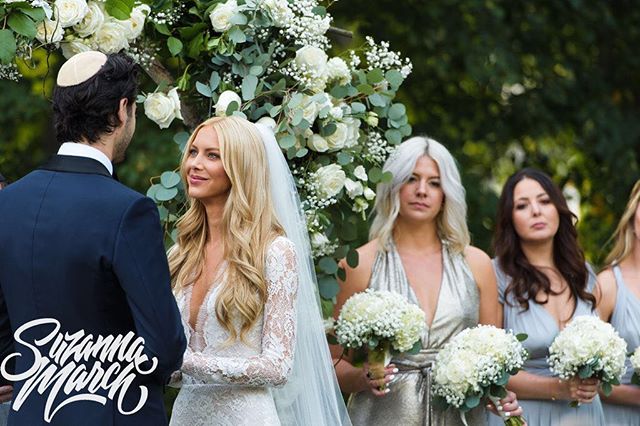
589 348
381 322
476 365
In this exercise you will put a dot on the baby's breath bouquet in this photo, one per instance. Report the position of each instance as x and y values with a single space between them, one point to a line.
635 363
382 322
590 348
476 364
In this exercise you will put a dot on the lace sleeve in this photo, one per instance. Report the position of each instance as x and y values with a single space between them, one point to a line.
273 365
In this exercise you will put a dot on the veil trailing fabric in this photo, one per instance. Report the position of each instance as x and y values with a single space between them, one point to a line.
311 395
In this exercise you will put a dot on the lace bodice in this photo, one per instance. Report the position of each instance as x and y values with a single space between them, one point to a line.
267 356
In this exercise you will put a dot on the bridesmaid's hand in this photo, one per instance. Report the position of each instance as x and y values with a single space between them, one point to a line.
374 385
509 405
581 390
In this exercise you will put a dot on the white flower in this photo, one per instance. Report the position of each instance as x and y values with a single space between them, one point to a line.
337 140
70 12
635 360
73 47
91 22
319 240
336 113
313 58
111 37
360 173
225 100
338 70
360 205
46 7
49 31
330 180
372 119
136 21
269 122
353 188
317 143
221 15
369 194
279 11
588 342
328 325
163 109
310 109
353 131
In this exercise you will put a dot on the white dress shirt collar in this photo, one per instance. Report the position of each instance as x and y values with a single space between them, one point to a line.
82 150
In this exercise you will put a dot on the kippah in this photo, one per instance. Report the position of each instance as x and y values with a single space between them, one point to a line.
80 68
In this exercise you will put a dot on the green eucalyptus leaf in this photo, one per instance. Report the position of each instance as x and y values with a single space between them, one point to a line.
287 141
365 88
396 111
342 274
153 189
339 92
22 25
214 80
393 136
328 286
387 177
249 84
238 19
7 46
328 265
302 152
607 388
522 337
377 99
375 174
375 76
328 129
319 10
472 401
344 158
353 258
231 108
163 213
280 85
169 179
256 70
406 130
203 89
162 29
394 78
237 35
358 108
164 194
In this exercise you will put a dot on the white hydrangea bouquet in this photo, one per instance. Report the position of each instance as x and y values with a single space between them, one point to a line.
381 322
635 363
476 364
590 348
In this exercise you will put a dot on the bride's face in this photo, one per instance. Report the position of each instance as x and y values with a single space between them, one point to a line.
206 177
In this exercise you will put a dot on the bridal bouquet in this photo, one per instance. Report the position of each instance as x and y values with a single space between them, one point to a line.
477 364
635 363
589 347
383 322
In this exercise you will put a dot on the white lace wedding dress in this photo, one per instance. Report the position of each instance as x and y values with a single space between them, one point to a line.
228 383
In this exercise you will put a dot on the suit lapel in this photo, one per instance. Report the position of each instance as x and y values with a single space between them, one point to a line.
73 164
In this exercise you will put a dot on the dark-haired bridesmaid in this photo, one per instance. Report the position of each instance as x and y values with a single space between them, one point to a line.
543 282
620 281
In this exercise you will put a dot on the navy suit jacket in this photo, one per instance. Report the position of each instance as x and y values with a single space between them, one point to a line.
79 247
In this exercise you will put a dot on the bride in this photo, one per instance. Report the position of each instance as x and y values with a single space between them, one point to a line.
243 278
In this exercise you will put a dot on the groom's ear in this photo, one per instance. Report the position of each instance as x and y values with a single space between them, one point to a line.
123 110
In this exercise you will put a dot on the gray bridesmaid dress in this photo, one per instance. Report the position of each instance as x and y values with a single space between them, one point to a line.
542 328
409 401
626 320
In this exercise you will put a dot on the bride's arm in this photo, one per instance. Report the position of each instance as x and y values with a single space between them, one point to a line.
273 365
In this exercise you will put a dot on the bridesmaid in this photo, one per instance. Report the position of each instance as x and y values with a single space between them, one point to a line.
620 282
419 248
543 282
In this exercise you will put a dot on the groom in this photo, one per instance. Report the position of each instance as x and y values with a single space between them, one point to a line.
84 281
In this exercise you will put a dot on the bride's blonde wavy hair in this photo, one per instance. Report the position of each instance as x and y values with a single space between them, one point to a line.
248 223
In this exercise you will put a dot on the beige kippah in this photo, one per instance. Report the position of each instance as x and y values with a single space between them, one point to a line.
80 68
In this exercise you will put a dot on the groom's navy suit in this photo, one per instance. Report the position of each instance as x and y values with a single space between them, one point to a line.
79 247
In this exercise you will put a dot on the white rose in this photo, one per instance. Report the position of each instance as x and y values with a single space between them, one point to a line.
73 47
360 173
312 58
331 180
136 21
222 14
353 131
336 113
49 31
224 100
310 109
269 122
70 12
372 119
91 22
319 240
317 143
163 109
369 194
279 11
337 70
338 138
111 37
353 188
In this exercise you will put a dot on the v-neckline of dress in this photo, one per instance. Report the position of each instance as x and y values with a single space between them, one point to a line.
623 284
217 282
413 293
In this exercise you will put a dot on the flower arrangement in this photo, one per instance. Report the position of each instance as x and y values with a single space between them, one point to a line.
589 347
476 364
635 363
381 322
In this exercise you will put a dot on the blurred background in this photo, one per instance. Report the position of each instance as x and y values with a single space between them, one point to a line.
503 84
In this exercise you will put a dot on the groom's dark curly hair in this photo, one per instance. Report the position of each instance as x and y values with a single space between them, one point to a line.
90 109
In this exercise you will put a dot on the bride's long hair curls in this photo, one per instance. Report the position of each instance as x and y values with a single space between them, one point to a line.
249 224
527 280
